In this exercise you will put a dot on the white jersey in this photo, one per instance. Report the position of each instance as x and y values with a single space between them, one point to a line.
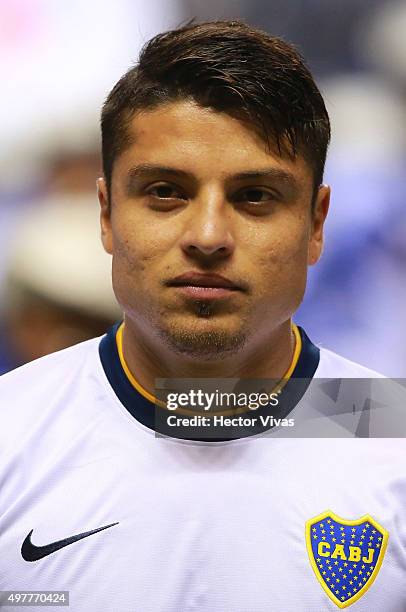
94 503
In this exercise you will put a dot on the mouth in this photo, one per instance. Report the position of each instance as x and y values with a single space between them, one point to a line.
202 286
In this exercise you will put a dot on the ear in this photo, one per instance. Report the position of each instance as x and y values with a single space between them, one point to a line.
319 215
105 216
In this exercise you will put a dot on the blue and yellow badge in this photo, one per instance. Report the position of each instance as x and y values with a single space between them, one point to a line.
346 556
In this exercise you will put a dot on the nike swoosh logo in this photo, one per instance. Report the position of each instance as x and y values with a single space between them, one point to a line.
30 552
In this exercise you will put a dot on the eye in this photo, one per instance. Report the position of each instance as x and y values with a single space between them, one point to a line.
255 196
165 191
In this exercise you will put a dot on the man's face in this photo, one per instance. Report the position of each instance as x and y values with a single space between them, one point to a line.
199 193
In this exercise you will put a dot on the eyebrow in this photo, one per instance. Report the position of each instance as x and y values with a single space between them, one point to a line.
268 173
145 170
149 170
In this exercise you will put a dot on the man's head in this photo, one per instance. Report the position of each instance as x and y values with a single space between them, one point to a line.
213 154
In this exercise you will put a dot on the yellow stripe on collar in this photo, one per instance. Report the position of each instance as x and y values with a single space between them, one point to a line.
128 373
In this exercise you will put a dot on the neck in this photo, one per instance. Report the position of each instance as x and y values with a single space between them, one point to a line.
269 357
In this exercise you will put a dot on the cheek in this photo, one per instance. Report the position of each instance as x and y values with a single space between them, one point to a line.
134 250
281 270
133 258
286 253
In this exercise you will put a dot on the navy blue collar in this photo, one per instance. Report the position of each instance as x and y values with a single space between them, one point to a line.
144 411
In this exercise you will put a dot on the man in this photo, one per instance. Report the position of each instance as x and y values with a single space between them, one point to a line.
212 205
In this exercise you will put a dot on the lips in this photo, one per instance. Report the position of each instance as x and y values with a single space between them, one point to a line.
197 279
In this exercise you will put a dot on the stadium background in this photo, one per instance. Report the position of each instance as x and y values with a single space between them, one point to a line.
57 63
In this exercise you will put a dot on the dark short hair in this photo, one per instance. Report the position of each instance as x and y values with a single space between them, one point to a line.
230 67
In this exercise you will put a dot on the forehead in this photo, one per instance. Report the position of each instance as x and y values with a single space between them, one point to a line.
204 142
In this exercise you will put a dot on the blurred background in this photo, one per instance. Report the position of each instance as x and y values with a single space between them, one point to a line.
57 63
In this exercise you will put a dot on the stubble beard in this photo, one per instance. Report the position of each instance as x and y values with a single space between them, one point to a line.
204 345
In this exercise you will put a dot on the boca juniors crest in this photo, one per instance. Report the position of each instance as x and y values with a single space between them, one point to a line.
346 556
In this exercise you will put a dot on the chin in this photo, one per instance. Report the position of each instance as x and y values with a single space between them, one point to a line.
203 342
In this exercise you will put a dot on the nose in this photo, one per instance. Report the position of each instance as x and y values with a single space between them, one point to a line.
208 228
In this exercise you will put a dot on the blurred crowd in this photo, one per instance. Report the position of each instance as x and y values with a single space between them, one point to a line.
55 287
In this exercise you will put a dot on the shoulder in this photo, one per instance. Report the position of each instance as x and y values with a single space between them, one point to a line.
40 374
332 365
33 392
